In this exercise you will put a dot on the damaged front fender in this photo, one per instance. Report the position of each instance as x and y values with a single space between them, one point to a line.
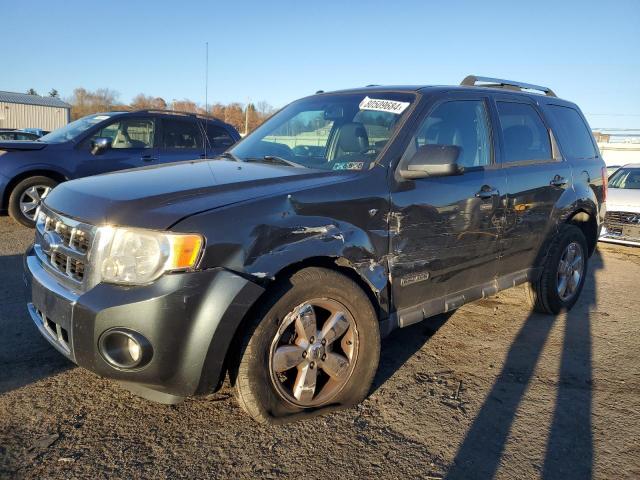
343 222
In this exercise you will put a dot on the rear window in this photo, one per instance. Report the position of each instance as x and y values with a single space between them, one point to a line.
218 136
524 135
573 134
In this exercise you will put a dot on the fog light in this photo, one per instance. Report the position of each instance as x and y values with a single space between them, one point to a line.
134 349
124 348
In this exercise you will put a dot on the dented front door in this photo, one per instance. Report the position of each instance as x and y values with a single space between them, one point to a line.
445 230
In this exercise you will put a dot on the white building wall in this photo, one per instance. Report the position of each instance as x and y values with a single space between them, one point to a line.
618 154
19 115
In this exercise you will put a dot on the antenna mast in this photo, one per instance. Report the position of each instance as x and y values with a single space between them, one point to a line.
206 97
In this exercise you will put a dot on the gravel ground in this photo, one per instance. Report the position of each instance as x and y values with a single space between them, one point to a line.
491 391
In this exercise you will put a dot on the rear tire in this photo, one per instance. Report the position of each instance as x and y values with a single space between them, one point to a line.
563 273
327 323
26 196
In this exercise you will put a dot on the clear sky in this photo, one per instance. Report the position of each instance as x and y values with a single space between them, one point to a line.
587 51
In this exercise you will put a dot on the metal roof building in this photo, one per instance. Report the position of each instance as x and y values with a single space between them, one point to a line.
19 110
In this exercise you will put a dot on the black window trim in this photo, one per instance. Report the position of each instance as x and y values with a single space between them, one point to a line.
556 153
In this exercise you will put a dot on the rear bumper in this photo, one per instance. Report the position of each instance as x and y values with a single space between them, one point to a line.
189 320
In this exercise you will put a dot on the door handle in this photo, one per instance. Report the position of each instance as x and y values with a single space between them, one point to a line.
148 158
487 192
559 181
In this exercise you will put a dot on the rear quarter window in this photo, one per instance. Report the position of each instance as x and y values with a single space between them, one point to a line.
572 132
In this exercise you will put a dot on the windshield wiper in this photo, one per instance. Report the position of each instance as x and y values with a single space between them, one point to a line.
230 156
275 159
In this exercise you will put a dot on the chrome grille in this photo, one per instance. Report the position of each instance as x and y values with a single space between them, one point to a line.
622 225
63 245
630 218
57 333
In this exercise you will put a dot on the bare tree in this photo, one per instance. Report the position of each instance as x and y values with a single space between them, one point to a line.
84 102
147 102
185 105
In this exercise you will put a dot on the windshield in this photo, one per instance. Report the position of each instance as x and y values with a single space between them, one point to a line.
329 132
626 178
73 129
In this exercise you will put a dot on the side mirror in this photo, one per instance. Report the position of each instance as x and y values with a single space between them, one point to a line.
100 145
433 161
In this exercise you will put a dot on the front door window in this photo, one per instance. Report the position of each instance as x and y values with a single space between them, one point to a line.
129 133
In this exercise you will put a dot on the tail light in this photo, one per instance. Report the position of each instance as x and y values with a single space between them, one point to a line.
605 183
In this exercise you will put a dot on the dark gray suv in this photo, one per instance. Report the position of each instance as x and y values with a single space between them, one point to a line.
283 262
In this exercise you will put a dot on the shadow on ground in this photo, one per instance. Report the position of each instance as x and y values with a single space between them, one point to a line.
569 445
402 344
25 356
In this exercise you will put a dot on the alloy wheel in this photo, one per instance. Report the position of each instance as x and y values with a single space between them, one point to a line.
313 353
31 199
570 271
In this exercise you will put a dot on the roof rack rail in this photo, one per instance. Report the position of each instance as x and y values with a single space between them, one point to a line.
175 112
472 81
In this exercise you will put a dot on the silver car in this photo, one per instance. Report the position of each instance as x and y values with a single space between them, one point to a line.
622 221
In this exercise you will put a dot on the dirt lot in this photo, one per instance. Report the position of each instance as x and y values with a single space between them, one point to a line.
491 391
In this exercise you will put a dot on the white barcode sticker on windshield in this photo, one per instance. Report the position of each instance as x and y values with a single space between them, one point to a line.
381 105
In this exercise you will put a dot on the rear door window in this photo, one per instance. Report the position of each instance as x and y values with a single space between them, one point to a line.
180 134
524 135
573 134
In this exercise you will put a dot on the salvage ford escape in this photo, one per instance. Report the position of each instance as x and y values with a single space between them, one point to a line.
283 262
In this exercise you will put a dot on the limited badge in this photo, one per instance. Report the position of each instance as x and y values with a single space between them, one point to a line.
348 166
381 105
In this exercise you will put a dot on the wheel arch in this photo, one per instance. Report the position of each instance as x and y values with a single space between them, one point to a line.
54 175
588 224
337 264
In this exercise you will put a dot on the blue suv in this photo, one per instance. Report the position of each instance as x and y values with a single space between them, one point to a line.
102 143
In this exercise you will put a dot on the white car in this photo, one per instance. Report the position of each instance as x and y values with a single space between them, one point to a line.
622 221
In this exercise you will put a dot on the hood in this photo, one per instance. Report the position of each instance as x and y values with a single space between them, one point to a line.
623 198
159 196
22 145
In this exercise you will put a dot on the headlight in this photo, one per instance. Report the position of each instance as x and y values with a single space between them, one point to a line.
136 256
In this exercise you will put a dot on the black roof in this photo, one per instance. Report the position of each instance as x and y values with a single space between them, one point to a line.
175 113
472 82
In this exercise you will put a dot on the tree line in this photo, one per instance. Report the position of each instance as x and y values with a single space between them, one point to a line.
244 117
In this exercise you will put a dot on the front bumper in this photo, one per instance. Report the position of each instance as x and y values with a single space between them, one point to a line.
605 237
4 183
189 320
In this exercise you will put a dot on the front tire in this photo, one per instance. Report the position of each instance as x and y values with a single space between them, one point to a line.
563 274
313 346
26 196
